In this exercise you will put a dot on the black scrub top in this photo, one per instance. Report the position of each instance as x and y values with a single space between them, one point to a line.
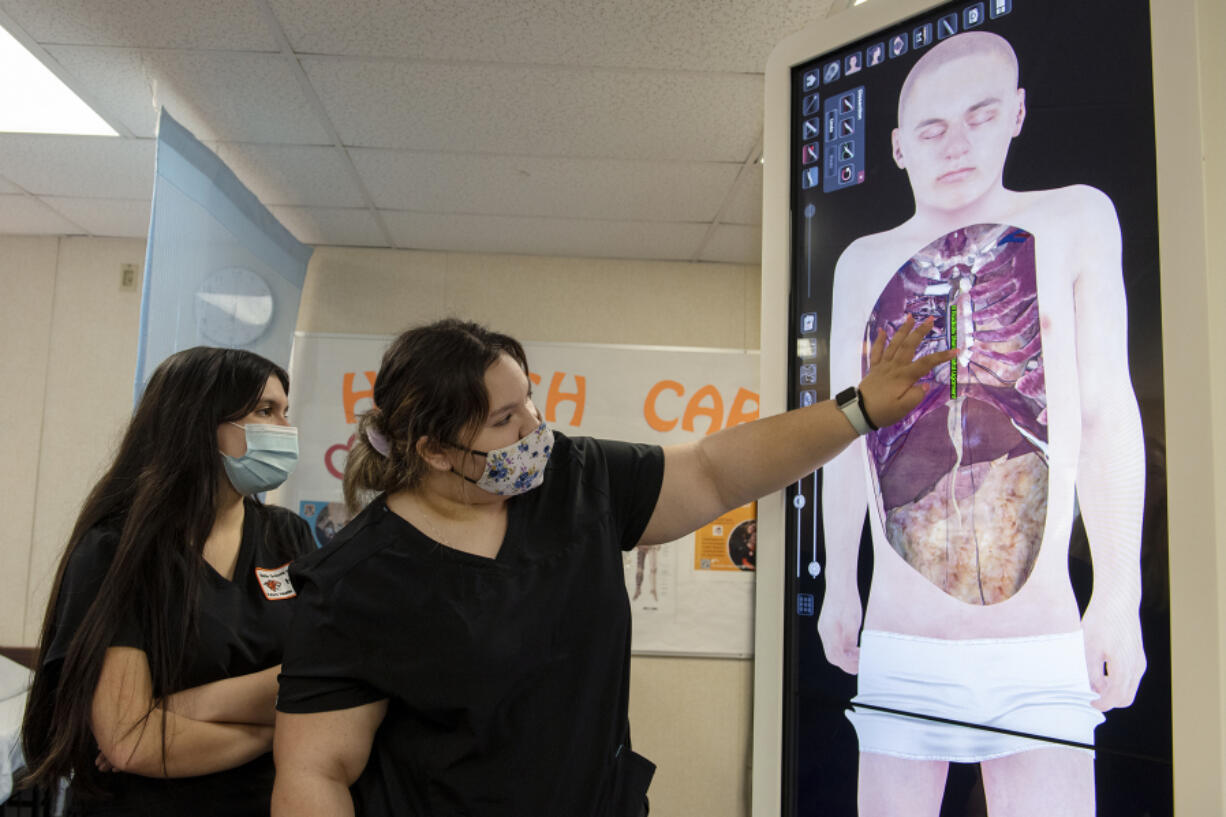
242 629
507 679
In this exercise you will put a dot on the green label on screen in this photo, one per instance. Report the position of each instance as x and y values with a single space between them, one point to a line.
953 344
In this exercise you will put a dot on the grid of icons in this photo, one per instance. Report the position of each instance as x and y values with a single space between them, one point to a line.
832 135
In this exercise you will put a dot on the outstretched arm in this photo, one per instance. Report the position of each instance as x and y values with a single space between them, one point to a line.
725 470
1111 468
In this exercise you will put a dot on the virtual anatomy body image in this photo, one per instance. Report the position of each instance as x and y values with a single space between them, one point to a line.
971 498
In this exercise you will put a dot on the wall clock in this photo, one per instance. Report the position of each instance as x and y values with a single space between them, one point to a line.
234 307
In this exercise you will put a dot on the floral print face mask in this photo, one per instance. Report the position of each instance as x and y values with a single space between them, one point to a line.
516 468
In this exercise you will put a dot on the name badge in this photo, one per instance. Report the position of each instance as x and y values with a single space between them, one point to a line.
274 582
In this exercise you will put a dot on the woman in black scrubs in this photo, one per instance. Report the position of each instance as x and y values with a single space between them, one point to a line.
463 646
164 632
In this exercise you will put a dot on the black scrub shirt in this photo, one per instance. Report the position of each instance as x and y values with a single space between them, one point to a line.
507 679
242 629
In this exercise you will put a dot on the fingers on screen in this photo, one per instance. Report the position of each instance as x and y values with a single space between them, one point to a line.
878 348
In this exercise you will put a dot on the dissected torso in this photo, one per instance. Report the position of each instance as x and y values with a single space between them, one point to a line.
962 481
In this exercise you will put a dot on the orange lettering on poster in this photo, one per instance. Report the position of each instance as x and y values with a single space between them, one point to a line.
350 397
713 412
649 405
557 396
739 412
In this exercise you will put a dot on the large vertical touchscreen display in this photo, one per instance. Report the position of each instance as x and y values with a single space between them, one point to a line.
977 609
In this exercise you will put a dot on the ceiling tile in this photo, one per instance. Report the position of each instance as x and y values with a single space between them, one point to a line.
79 166
544 236
746 204
540 111
228 97
611 128
734 244
233 24
319 226
529 186
125 85
294 174
714 35
123 218
26 215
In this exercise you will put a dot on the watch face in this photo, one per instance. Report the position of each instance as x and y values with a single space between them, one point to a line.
234 307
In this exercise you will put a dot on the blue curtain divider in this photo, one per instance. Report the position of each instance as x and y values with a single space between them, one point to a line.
204 220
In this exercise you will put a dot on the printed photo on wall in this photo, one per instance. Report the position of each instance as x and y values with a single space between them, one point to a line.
325 519
729 542
651 581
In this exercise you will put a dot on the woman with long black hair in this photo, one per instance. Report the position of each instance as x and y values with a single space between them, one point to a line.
158 661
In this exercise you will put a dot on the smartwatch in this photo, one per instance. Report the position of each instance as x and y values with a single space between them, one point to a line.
851 402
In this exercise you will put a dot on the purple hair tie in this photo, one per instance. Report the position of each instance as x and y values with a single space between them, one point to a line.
379 442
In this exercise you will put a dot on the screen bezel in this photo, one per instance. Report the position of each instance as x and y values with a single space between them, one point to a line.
1195 650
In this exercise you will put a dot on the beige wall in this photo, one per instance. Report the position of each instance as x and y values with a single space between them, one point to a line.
533 298
69 350
27 279
1210 34
1191 183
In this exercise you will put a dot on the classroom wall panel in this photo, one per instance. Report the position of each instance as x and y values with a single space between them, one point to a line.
27 279
91 362
1210 32
534 298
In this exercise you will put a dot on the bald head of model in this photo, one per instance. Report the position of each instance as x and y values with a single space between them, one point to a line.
967 45
958 112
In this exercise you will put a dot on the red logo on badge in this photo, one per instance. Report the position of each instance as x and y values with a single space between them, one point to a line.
274 582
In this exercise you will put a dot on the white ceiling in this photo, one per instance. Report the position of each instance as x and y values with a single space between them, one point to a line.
601 128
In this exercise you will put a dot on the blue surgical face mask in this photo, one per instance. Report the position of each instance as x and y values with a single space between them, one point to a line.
272 453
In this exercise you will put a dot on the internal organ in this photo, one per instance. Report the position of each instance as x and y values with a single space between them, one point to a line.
962 479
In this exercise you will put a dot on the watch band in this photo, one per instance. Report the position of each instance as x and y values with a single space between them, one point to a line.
864 410
851 402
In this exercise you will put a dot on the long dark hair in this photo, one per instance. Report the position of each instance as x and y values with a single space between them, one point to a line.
160 496
431 383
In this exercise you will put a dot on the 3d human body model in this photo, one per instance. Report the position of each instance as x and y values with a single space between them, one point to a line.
961 482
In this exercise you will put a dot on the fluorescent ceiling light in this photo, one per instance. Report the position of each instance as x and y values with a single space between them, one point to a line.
34 100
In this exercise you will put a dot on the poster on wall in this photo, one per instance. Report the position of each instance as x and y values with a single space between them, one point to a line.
977 615
691 596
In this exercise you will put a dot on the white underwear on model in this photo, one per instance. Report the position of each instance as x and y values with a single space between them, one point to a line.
1038 685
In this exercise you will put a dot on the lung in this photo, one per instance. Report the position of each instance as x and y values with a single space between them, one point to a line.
961 481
